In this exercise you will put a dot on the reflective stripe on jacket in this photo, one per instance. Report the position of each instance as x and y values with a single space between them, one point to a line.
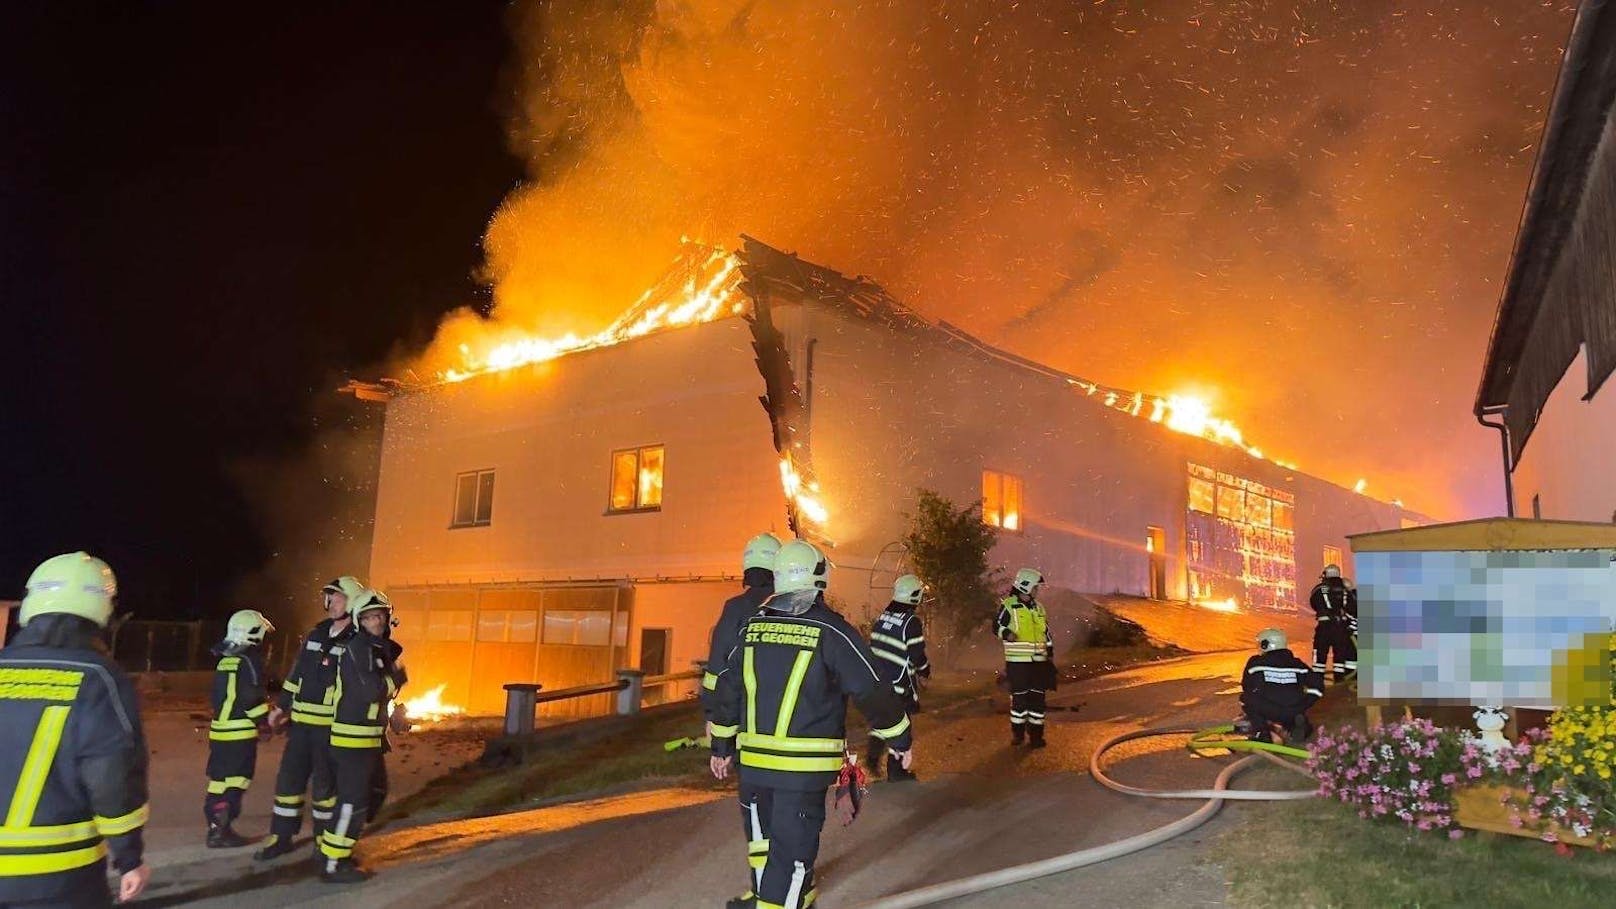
1024 629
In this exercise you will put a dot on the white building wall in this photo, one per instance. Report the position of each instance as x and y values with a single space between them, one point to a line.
1567 461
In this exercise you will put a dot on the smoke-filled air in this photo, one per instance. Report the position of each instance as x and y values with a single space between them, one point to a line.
1247 201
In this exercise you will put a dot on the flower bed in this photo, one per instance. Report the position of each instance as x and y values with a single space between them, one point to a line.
1554 785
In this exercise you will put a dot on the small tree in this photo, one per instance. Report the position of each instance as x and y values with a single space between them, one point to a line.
948 547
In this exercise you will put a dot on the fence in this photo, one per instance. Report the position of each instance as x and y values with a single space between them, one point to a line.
154 646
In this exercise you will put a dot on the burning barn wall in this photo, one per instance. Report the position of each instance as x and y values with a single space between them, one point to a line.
560 519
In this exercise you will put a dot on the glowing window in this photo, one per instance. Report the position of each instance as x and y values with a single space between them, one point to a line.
474 499
637 479
1259 510
1202 495
1332 556
587 628
1231 503
1001 500
1284 516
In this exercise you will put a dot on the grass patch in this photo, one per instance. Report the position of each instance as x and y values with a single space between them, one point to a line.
1320 853
574 765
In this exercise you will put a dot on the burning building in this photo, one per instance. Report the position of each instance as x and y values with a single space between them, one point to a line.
552 512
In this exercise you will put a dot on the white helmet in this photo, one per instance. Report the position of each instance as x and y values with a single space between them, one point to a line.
247 626
908 589
366 600
800 566
75 583
760 552
1332 570
1027 581
1271 639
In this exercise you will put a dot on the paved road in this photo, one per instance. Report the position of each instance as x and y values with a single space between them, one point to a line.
981 806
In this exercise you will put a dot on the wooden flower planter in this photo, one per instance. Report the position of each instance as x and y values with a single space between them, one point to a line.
1482 808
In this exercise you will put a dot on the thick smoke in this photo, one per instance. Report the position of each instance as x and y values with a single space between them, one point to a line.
1306 207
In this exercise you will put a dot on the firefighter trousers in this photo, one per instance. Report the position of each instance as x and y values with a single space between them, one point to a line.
230 772
94 895
1027 690
877 748
1261 714
1335 636
782 841
307 759
355 769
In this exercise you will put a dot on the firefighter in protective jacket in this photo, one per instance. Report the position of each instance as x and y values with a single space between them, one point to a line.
308 696
368 678
782 703
1277 687
1335 607
757 576
240 711
898 641
73 757
1029 656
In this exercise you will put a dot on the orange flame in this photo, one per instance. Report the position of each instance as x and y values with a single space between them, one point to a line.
708 294
430 708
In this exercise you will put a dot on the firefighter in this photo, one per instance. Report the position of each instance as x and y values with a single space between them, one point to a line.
782 701
898 641
398 719
308 697
240 710
367 679
1029 656
1335 606
1278 688
757 578
73 762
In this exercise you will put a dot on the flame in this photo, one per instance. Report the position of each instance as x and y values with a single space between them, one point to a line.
1359 486
1225 605
803 494
709 293
430 708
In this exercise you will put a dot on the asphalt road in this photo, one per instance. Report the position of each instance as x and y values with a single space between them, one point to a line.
980 806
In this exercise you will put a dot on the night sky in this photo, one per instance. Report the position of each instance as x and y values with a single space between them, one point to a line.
210 215
211 218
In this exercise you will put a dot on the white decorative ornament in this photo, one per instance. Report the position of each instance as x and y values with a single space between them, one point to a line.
1491 720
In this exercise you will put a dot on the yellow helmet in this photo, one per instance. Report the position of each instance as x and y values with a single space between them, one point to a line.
76 583
908 589
366 600
1027 581
800 566
347 585
247 626
760 552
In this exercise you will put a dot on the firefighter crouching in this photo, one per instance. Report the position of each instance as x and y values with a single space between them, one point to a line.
73 757
1335 606
898 642
368 677
1029 656
1278 688
239 716
757 577
782 701
308 696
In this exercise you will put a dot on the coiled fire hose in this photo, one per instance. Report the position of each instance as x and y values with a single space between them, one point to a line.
1201 739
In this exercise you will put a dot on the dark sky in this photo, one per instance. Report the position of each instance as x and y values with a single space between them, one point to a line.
210 214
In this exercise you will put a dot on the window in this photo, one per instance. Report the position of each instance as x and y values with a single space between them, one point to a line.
1202 494
1001 499
507 626
654 650
449 625
588 627
637 479
1259 510
1284 516
1332 556
474 499
1231 503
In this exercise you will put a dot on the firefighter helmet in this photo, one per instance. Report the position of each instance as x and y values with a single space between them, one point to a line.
366 600
1271 639
908 589
347 585
1027 581
1332 570
247 626
760 552
75 583
800 566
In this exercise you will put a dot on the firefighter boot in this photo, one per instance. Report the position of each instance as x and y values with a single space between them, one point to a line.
345 872
220 836
276 847
896 773
873 754
741 902
1018 733
1035 736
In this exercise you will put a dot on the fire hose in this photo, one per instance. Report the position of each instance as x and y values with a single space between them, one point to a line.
1201 739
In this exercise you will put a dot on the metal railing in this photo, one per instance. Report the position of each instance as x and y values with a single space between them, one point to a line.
523 698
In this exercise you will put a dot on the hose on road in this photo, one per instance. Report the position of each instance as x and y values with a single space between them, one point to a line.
1216 796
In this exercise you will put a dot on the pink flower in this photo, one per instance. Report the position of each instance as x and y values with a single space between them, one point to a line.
1449 779
1474 773
1455 834
1413 767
